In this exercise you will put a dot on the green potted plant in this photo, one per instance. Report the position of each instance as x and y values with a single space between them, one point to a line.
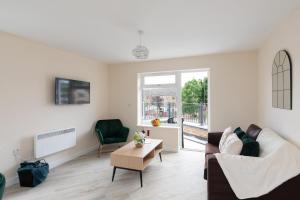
139 139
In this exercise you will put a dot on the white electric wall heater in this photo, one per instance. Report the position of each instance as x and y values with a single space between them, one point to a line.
54 141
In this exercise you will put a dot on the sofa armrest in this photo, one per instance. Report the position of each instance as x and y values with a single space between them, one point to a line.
217 184
214 137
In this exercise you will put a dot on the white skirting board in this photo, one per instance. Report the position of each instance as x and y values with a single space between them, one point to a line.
15 180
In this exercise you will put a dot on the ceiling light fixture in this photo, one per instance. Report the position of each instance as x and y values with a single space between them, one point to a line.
140 51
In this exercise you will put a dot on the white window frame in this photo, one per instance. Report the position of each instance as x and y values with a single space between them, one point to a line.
176 86
157 85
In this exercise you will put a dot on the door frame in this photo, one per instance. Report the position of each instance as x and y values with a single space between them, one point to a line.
179 88
140 84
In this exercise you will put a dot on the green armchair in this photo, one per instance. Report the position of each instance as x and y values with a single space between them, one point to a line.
110 131
2 185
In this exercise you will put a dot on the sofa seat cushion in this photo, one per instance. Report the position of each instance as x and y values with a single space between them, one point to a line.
211 149
111 140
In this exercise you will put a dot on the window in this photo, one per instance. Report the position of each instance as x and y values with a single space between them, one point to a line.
171 96
159 98
159 103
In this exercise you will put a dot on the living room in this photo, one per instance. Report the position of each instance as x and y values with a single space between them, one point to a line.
238 43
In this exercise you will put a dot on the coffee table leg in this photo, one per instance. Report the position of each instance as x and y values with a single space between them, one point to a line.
113 176
141 174
160 157
141 178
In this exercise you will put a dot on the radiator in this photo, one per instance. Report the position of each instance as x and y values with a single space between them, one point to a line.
54 141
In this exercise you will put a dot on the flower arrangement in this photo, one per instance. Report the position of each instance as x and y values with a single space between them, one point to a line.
155 122
139 139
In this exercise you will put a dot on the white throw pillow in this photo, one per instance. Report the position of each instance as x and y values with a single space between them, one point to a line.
225 134
233 145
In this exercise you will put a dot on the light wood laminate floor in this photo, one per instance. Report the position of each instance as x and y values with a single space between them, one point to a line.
178 177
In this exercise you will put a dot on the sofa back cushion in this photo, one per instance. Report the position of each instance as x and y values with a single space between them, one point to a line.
269 142
109 127
253 131
115 127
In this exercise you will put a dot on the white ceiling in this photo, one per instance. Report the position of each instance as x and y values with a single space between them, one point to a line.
107 29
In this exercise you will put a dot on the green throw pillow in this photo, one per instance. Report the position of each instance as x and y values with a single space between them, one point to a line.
250 147
239 132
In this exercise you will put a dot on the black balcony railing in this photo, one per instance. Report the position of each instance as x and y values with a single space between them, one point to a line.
195 113
167 112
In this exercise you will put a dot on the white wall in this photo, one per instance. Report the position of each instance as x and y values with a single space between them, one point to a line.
27 72
233 84
286 36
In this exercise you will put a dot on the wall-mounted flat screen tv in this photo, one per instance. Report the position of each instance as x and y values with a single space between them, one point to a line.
69 91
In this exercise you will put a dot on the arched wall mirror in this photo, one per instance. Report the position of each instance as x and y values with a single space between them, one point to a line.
282 81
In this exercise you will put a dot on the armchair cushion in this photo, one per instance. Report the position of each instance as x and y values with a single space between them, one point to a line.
112 140
115 127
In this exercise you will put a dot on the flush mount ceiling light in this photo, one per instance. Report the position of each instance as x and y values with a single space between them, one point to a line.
140 51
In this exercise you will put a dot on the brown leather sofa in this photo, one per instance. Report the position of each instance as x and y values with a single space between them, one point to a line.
218 187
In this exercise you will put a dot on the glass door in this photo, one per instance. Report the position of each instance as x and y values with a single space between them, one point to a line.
194 108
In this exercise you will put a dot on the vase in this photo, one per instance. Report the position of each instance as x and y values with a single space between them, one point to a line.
139 145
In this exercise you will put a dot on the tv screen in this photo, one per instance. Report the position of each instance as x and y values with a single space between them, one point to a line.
71 91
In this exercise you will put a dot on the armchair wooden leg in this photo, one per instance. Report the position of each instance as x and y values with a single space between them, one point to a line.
100 150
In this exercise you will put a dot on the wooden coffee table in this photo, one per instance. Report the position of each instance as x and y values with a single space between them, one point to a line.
132 158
